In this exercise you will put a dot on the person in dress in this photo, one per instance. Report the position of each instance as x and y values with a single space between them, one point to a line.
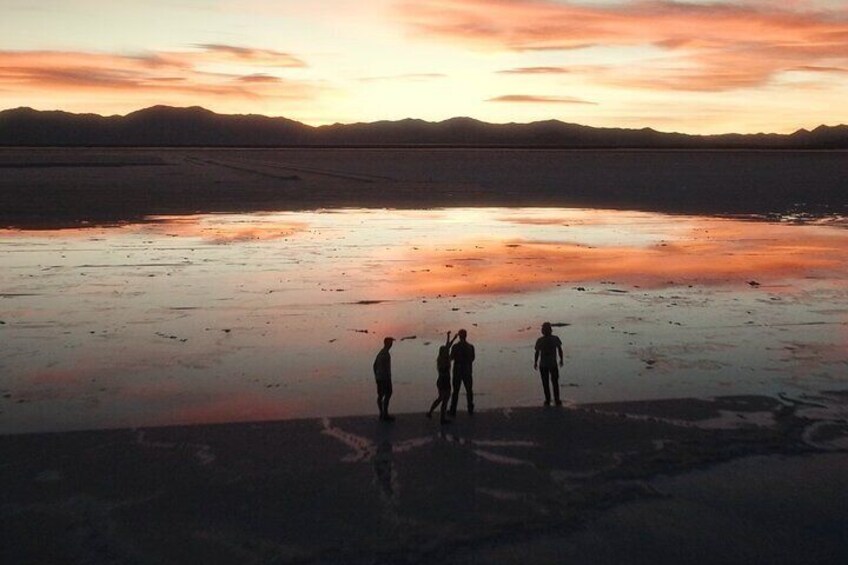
443 384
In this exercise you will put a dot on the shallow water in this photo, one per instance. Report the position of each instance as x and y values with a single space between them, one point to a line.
222 318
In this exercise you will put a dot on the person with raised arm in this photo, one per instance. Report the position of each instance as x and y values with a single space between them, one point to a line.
443 384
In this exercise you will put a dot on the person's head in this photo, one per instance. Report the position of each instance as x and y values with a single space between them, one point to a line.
387 342
462 335
546 329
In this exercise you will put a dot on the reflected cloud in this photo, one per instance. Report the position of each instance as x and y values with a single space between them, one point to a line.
144 325
209 228
217 230
713 252
233 406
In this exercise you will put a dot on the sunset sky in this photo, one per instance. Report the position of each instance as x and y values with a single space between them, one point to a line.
701 66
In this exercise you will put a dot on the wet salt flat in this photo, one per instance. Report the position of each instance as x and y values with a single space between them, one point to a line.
218 318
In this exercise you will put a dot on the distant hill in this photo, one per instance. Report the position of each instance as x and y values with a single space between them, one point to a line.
164 126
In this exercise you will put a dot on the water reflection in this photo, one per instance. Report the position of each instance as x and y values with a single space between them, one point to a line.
692 250
249 317
223 228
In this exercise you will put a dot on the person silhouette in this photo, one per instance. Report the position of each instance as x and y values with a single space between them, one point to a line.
383 376
545 359
462 355
443 364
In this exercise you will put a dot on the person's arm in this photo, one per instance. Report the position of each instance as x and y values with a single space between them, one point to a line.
559 349
448 340
536 357
472 353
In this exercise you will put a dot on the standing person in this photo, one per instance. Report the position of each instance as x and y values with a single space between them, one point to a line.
545 360
443 364
462 355
383 376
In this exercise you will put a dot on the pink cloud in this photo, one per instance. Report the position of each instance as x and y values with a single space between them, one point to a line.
713 46
532 99
408 76
535 71
251 55
165 74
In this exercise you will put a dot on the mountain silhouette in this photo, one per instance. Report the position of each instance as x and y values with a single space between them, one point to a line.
165 126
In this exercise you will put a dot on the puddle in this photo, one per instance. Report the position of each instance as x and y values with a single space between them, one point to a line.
218 318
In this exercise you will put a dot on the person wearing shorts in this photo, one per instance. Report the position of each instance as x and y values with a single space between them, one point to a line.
545 360
383 377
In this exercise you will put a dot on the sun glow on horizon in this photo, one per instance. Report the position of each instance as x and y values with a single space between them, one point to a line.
698 66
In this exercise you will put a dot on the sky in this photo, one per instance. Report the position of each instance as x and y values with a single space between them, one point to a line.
696 66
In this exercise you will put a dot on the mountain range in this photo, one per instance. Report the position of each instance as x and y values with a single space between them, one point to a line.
165 126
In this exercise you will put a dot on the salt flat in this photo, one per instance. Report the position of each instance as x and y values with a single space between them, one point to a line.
599 484
221 318
206 319
64 186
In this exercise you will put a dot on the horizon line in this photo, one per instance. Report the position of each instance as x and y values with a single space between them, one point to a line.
342 124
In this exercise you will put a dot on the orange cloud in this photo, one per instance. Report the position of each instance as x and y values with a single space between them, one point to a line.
535 71
408 76
818 69
265 57
529 98
161 73
713 46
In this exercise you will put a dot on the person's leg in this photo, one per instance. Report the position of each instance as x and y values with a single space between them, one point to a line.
435 403
380 393
387 395
468 381
445 395
545 373
457 382
555 384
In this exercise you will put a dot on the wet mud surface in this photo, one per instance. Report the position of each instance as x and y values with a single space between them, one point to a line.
52 187
495 486
221 318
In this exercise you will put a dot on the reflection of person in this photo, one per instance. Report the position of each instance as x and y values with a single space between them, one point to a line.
462 355
443 364
545 360
383 376
383 472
